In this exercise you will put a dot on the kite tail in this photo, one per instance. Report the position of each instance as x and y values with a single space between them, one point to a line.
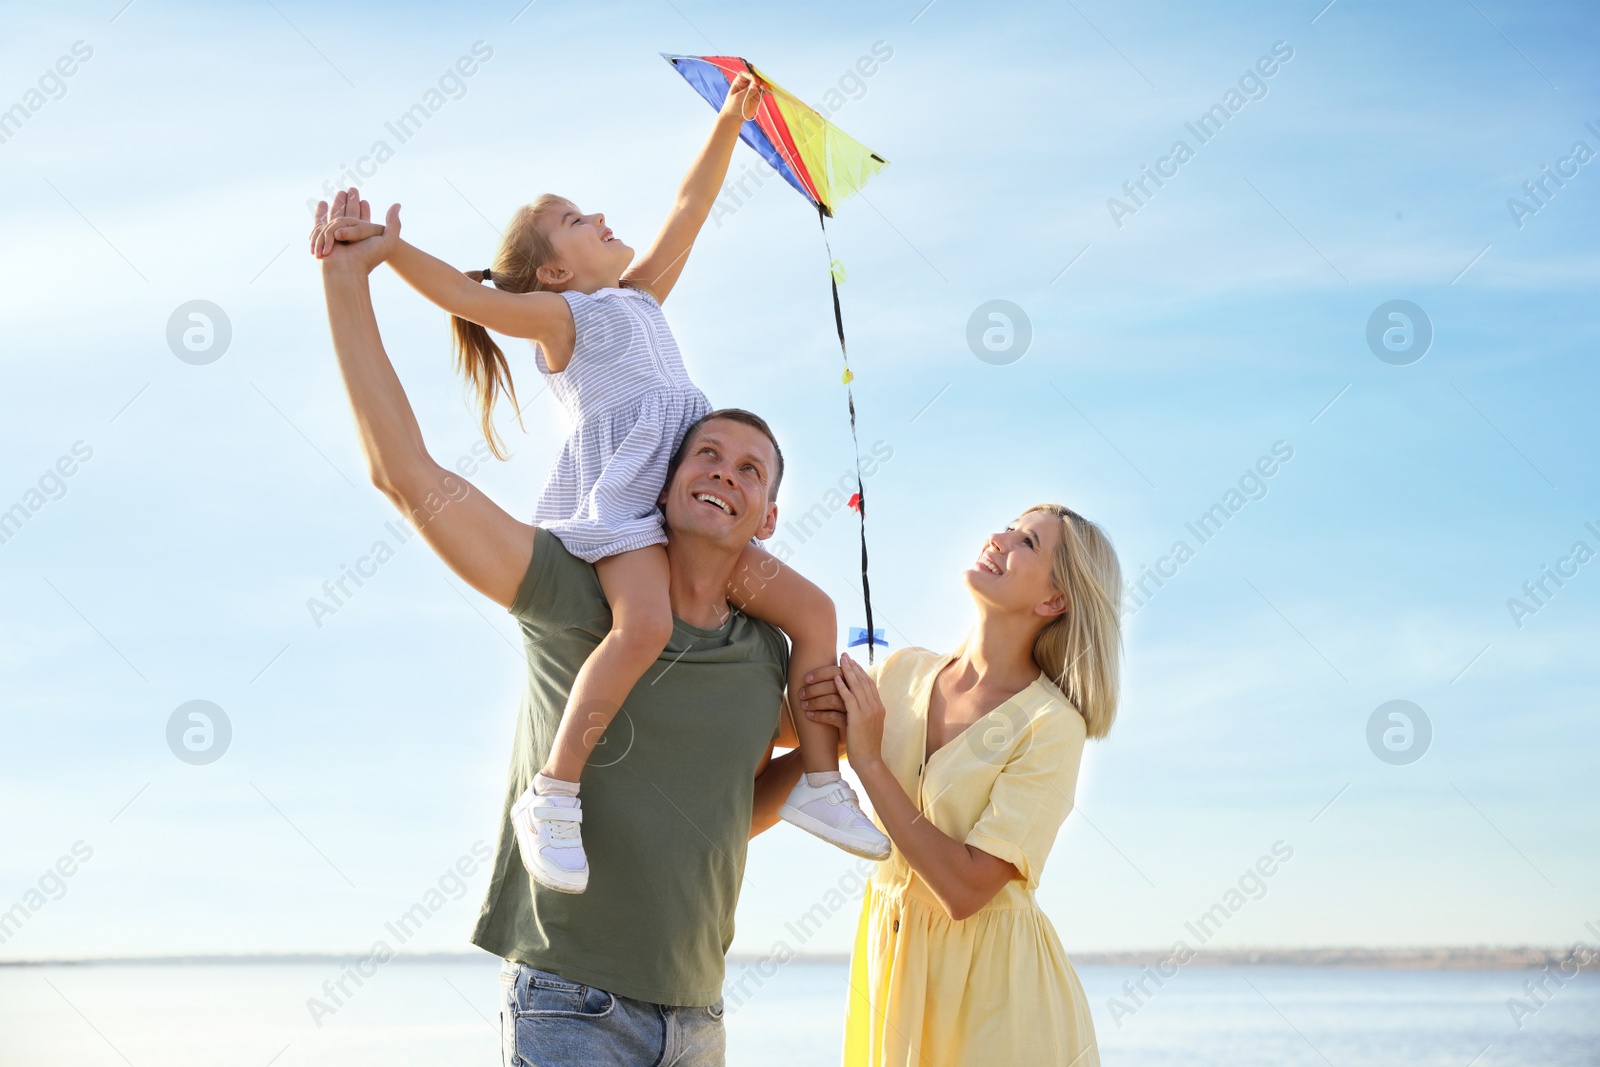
861 491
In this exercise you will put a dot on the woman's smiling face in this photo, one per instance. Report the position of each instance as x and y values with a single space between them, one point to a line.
1014 568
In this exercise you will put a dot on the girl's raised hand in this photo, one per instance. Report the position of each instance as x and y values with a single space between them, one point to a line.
347 212
351 221
348 231
744 96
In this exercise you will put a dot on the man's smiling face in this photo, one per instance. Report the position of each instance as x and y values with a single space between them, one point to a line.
721 490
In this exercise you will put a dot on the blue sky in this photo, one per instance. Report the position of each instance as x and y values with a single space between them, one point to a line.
1227 314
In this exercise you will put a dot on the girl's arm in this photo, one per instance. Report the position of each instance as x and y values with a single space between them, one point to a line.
775 593
658 269
543 317
963 877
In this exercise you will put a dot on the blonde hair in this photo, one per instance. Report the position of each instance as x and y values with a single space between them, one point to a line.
1081 650
524 248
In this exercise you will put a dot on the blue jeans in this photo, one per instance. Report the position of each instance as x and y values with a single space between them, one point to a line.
547 1021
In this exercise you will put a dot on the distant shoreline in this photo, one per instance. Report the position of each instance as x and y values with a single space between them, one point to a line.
1519 958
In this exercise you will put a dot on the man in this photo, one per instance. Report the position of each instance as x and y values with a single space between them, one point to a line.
631 971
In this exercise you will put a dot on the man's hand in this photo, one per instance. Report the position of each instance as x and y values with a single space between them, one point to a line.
347 212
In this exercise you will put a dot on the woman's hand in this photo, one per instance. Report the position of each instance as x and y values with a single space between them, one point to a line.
744 96
861 722
350 213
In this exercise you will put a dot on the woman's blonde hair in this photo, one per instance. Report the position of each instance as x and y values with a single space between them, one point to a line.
1081 650
524 248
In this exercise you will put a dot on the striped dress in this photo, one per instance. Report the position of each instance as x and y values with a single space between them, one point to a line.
630 401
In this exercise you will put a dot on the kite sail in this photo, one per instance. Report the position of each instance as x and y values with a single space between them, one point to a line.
825 165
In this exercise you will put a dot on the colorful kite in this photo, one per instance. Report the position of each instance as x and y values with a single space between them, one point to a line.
825 165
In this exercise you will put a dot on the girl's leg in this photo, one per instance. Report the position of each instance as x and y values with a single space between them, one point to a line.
821 801
548 815
635 584
765 588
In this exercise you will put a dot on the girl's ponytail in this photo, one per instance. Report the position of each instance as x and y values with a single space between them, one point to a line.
523 249
484 365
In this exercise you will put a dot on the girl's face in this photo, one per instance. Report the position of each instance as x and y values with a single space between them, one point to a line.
1013 570
585 247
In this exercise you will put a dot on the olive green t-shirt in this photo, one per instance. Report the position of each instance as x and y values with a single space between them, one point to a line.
666 796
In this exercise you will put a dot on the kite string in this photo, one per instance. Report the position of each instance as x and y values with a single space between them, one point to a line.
861 490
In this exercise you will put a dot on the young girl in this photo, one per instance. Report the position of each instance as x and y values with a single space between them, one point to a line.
562 279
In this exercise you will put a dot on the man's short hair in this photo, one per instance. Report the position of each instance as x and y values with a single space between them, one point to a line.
749 418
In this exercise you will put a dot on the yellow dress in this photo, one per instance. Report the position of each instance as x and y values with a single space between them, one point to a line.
995 988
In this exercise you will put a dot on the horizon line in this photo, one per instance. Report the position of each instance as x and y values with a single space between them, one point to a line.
1435 957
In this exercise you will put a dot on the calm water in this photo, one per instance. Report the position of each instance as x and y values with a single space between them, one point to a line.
443 1013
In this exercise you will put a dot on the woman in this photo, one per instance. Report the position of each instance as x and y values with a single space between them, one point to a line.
971 760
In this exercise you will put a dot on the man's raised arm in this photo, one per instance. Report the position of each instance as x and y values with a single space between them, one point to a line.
488 548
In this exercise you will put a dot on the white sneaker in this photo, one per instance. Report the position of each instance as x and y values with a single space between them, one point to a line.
833 813
550 841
